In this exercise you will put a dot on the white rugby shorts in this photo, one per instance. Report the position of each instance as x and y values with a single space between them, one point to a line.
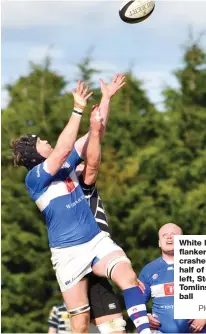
71 264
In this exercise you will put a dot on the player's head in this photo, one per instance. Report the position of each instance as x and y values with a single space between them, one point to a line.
29 151
166 237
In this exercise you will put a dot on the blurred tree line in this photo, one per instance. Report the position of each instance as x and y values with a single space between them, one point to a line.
153 172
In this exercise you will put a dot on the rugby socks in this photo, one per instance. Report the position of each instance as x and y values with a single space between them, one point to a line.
136 309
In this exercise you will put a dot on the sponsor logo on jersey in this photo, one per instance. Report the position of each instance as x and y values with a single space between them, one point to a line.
155 276
170 268
167 307
169 289
71 182
67 282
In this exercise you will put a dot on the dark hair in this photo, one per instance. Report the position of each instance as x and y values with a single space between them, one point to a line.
17 156
25 152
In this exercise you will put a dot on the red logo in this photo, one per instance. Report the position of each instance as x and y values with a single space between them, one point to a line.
135 315
169 289
69 184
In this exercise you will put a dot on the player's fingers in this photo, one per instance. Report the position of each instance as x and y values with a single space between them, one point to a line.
198 329
115 78
153 326
141 285
194 328
81 88
85 91
120 86
121 78
101 81
94 107
88 95
155 322
78 85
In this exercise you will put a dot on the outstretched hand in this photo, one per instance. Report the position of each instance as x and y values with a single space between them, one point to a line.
112 88
81 95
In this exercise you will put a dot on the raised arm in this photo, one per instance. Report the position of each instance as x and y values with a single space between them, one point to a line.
93 150
67 138
108 91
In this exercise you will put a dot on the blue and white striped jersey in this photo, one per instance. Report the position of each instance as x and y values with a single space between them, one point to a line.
60 320
158 277
60 198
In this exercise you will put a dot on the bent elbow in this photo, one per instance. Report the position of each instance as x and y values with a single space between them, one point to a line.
63 153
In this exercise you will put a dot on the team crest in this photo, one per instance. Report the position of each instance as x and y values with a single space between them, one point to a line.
155 276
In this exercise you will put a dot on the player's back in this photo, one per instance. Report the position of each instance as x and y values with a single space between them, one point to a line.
158 277
61 200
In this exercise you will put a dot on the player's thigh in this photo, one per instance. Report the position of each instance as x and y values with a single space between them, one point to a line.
77 304
112 262
77 295
102 266
107 251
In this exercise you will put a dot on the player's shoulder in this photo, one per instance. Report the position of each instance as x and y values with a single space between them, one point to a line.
33 174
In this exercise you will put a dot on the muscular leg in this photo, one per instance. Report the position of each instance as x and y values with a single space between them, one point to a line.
123 275
77 304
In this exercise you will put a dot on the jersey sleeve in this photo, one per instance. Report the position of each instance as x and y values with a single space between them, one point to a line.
38 178
143 278
87 188
74 158
53 318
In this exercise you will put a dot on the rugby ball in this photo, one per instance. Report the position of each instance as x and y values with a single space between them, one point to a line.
136 11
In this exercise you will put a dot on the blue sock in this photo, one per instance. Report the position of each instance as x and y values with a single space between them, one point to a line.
136 309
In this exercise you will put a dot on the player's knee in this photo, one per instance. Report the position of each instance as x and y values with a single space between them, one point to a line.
80 323
129 279
124 276
120 262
